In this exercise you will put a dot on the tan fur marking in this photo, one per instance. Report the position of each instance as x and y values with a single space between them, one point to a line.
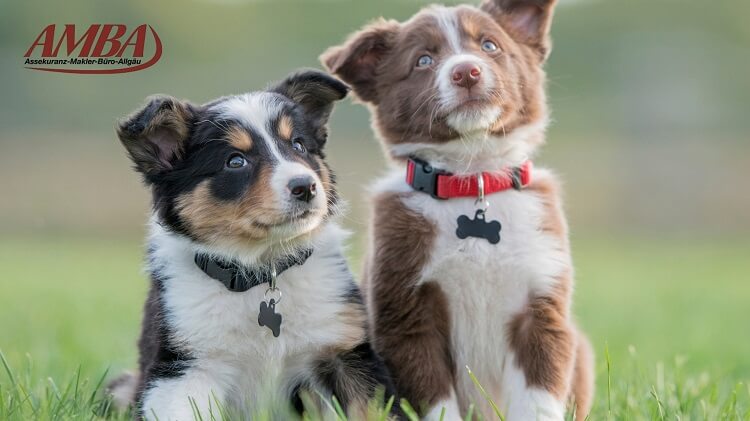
327 183
246 219
286 127
325 174
411 324
354 318
240 139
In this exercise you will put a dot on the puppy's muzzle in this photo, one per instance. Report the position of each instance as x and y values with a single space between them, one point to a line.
302 188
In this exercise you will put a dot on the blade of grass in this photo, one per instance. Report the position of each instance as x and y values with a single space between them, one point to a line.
8 371
659 405
387 409
330 404
469 413
609 380
485 394
98 386
410 413
339 410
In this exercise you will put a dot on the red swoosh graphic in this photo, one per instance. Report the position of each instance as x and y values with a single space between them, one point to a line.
157 56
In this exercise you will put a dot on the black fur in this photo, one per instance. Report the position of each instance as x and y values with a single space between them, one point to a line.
176 146
354 374
158 356
172 142
315 92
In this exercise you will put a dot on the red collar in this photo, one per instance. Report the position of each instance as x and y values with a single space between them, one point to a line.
441 184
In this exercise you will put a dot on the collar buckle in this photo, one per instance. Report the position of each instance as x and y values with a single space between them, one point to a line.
424 177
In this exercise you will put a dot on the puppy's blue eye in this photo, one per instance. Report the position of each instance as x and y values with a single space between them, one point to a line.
425 61
298 146
489 46
236 161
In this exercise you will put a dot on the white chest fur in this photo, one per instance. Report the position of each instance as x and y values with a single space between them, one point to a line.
486 284
220 329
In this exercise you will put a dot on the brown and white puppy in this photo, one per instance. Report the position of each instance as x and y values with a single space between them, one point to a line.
242 195
463 89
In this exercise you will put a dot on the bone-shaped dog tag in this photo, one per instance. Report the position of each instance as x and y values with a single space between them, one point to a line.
478 228
269 318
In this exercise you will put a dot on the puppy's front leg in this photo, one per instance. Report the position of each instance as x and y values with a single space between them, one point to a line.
182 398
414 339
538 371
410 315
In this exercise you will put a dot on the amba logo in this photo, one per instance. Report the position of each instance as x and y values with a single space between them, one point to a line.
100 49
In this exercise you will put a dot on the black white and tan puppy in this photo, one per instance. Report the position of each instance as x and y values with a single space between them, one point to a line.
469 263
251 300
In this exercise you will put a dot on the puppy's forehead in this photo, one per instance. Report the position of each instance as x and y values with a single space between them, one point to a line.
448 26
424 27
448 22
255 110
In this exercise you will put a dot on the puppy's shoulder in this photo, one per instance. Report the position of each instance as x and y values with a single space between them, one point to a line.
545 184
389 196
547 187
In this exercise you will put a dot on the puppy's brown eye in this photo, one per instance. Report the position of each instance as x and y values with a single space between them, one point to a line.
489 46
425 61
298 146
236 161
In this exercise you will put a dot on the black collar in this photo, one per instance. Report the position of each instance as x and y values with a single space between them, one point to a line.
239 278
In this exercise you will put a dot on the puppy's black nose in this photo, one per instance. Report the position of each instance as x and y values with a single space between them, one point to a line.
302 188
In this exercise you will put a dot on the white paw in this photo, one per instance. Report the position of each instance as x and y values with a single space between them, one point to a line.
537 406
169 413
180 399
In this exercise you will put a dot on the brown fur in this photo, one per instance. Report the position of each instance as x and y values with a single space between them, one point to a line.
324 173
379 63
239 138
528 21
248 219
286 127
357 61
356 320
411 323
582 390
154 145
544 343
553 221
551 352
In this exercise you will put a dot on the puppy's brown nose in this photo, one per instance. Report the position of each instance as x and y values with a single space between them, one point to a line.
302 188
466 75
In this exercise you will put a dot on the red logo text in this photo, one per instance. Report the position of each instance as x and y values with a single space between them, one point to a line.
96 49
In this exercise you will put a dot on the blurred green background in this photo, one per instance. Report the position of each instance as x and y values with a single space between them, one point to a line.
651 135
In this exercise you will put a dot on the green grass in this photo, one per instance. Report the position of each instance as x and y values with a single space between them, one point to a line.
668 320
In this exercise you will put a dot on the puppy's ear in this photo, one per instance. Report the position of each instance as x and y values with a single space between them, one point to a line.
527 21
356 61
316 92
154 136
